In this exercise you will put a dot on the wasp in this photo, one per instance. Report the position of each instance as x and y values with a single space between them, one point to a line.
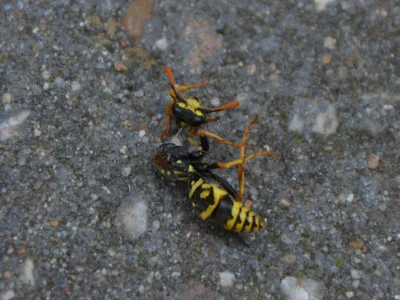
212 196
189 113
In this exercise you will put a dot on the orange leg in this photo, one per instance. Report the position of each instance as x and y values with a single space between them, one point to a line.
221 140
239 161
242 153
192 134
226 106
168 71
168 117
213 120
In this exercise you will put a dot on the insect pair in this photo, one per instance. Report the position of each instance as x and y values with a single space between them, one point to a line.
212 196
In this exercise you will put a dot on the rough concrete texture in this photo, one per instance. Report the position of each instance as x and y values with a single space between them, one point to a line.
82 107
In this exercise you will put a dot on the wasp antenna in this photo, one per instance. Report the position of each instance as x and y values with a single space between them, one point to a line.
178 96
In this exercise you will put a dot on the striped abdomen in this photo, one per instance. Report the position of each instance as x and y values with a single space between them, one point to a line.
213 202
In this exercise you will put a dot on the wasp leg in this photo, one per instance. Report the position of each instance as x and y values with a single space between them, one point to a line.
192 134
221 140
168 71
240 167
168 117
213 120
226 106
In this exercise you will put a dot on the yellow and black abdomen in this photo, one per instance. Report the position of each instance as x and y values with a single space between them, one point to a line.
212 202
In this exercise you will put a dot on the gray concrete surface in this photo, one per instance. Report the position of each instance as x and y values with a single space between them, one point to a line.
83 212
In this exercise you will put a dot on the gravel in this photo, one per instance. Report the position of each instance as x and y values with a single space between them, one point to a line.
84 213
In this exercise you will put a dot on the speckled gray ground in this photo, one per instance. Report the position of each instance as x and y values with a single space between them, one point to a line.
80 154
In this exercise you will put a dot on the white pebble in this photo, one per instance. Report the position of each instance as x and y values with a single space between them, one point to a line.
304 288
75 86
46 75
27 272
126 171
321 4
7 97
7 295
215 102
156 225
330 42
350 198
142 133
350 294
162 44
326 122
226 278
132 218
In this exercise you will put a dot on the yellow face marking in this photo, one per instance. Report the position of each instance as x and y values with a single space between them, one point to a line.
179 161
191 169
235 212
168 173
193 105
248 227
218 195
204 194
195 186
242 218
163 172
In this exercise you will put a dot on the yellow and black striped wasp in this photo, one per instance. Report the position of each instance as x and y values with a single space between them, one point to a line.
212 196
188 112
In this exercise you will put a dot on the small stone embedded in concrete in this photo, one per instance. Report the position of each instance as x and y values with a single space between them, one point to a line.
162 44
119 66
226 278
304 288
321 4
132 217
75 86
126 171
373 161
27 272
330 43
7 295
215 101
142 133
10 127
155 225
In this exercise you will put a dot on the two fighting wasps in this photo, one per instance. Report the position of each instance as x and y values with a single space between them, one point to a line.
212 196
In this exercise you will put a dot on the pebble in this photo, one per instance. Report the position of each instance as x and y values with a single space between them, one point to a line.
215 101
126 171
132 217
75 86
120 67
155 225
355 274
46 75
7 97
27 272
7 295
350 294
226 278
330 42
373 161
327 59
350 198
142 133
304 288
162 44
321 4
